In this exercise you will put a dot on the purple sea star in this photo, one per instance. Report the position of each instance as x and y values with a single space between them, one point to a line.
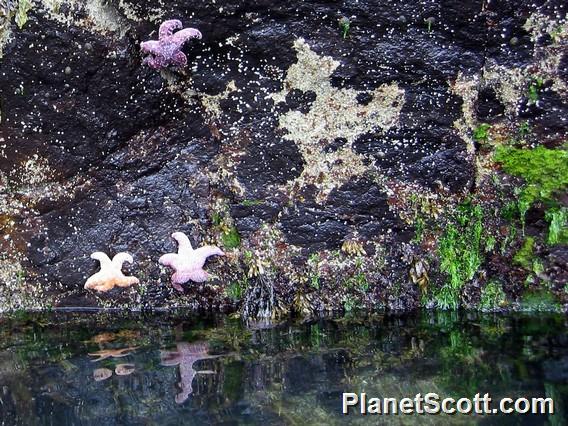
187 262
167 49
185 356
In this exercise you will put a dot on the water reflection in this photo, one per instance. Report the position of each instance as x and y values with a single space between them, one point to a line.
85 369
101 374
114 353
185 356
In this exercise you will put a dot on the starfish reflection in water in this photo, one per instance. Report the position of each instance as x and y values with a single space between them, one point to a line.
185 356
187 262
167 49
114 353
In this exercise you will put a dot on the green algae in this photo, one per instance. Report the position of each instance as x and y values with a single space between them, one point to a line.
544 170
558 228
481 132
460 252
231 238
251 203
524 257
24 6
236 289
492 297
534 89
539 301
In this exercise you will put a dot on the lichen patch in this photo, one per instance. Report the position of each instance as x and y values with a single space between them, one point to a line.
466 88
335 114
212 103
101 16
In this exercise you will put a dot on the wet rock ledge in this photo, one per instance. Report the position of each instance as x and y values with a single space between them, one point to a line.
417 157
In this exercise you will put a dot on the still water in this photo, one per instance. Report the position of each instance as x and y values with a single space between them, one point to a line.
167 369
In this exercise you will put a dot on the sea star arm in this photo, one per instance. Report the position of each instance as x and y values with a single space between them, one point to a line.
182 36
103 259
179 59
170 259
120 258
151 46
184 246
167 28
110 274
197 275
202 253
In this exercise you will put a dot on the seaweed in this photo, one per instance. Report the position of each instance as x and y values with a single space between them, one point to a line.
558 228
492 297
460 253
524 257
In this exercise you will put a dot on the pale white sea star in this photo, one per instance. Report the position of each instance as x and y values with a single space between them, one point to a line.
110 274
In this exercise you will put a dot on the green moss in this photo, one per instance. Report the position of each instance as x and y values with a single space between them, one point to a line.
460 253
231 238
314 275
490 243
509 211
358 281
524 129
251 203
236 289
544 170
216 218
558 228
350 304
344 25
492 297
534 89
481 132
524 257
539 300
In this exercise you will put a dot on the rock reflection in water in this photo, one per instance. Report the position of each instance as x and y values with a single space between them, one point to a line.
101 374
185 356
124 369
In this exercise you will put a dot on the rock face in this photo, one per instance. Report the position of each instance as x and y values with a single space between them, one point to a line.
312 159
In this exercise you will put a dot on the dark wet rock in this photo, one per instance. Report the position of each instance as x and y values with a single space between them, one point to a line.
300 101
563 67
451 168
504 21
359 205
547 115
488 106
138 154
336 144
250 216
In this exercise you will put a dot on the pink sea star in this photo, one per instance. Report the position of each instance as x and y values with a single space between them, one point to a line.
185 356
187 262
167 49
